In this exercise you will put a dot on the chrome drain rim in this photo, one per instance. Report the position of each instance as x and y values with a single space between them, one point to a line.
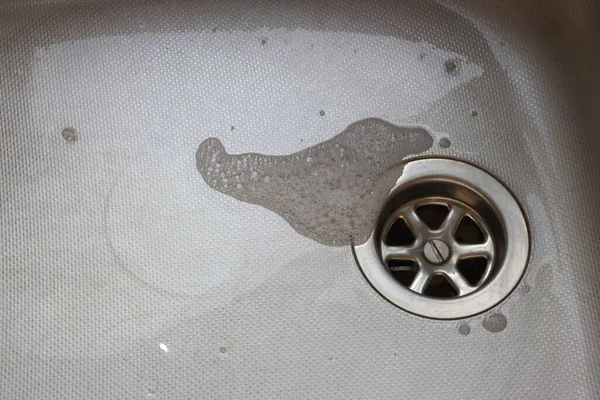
466 191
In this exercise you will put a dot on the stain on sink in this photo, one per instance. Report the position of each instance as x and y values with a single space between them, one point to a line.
330 192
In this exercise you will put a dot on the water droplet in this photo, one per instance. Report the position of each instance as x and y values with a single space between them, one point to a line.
223 350
69 134
444 143
495 322
451 67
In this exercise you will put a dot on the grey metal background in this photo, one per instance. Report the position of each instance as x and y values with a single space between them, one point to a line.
123 275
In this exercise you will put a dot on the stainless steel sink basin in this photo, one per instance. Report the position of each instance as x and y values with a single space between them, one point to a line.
181 183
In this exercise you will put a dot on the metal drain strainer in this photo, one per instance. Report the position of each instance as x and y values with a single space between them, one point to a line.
450 242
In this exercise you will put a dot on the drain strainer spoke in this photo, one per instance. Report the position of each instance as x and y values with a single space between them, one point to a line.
450 242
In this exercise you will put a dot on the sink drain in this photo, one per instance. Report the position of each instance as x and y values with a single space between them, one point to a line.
450 242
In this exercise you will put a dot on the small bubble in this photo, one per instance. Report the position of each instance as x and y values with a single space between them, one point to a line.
239 186
527 288
322 113
267 179
151 392
474 113
69 134
253 174
308 159
330 358
263 41
232 127
444 143
214 29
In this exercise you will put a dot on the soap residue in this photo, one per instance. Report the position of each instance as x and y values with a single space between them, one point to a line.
331 192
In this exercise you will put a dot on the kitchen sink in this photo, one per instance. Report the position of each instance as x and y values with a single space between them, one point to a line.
185 187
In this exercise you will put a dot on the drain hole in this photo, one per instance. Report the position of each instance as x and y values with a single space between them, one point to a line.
399 234
468 232
433 215
440 287
472 269
404 271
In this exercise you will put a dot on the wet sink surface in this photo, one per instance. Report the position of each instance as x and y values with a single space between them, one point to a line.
134 266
